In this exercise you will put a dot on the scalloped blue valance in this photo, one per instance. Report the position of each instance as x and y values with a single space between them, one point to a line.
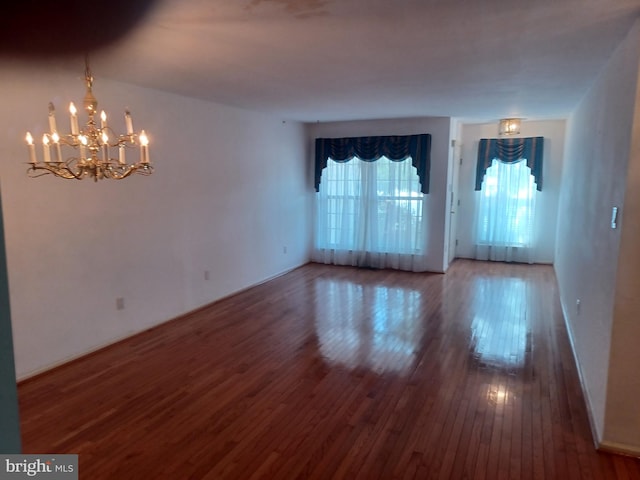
370 149
510 150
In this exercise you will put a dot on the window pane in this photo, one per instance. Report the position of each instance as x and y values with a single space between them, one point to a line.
371 206
507 205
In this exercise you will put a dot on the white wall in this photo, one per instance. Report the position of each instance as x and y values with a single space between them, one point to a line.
439 128
230 191
591 266
553 132
622 418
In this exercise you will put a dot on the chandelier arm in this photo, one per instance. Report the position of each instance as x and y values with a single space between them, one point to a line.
31 172
137 169
63 172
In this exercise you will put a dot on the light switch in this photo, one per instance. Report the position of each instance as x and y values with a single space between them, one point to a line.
614 217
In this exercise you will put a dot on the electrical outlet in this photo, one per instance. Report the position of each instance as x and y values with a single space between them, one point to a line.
120 303
206 275
284 249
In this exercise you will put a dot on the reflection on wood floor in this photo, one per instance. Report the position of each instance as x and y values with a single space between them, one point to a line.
378 327
335 372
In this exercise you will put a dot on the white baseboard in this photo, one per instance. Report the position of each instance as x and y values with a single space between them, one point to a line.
619 448
599 443
113 341
595 431
71 358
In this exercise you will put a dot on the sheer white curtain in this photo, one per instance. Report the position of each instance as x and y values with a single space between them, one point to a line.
370 214
505 217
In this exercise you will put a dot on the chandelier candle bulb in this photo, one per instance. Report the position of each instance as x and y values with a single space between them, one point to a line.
121 155
105 146
83 147
56 142
31 147
128 122
74 119
144 147
45 147
103 120
52 118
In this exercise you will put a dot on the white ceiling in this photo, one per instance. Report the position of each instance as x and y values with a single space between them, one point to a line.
325 60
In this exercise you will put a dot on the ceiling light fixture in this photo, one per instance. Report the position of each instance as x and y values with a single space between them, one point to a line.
509 126
92 145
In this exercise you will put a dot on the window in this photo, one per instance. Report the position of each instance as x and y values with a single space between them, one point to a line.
370 207
507 205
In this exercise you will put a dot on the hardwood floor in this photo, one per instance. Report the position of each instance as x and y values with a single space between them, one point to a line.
335 372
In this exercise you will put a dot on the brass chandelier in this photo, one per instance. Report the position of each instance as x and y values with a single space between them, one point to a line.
92 145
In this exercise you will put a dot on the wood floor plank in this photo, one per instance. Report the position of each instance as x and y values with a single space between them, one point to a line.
335 373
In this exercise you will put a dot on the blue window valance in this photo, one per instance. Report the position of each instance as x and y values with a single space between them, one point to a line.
370 149
510 150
